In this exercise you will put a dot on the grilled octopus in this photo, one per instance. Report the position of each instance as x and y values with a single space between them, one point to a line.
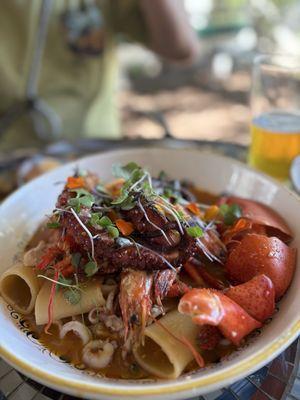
158 242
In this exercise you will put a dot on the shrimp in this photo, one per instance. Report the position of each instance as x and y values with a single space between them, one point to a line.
135 301
141 293
97 354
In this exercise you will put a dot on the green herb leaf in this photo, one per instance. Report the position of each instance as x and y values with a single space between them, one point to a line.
132 174
113 231
128 204
75 259
95 218
230 213
72 295
75 204
101 188
124 171
90 268
105 221
87 201
80 192
83 198
123 196
53 225
131 166
194 231
169 193
65 281
180 215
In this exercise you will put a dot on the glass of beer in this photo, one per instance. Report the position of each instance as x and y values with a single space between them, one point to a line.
275 105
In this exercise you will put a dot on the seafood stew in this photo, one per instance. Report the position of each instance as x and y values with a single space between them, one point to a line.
141 277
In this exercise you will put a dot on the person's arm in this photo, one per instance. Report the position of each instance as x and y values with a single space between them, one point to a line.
169 30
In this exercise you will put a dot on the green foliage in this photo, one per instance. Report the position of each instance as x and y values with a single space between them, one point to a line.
230 213
83 198
72 295
194 231
90 268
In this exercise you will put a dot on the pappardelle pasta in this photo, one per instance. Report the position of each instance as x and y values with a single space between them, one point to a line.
148 277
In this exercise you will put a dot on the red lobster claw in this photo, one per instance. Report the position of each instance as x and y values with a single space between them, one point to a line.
210 307
257 297
258 254
261 214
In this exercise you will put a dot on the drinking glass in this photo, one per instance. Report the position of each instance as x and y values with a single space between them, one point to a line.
275 105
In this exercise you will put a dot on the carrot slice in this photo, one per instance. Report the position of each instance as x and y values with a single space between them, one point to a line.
126 228
75 182
211 213
194 209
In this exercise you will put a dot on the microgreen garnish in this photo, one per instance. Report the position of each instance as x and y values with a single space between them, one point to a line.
179 214
75 259
125 171
83 198
101 188
58 282
134 176
128 203
168 193
123 196
113 231
64 281
95 218
72 295
194 231
90 268
105 221
230 213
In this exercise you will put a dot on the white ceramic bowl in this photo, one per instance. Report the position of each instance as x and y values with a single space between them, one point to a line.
22 212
